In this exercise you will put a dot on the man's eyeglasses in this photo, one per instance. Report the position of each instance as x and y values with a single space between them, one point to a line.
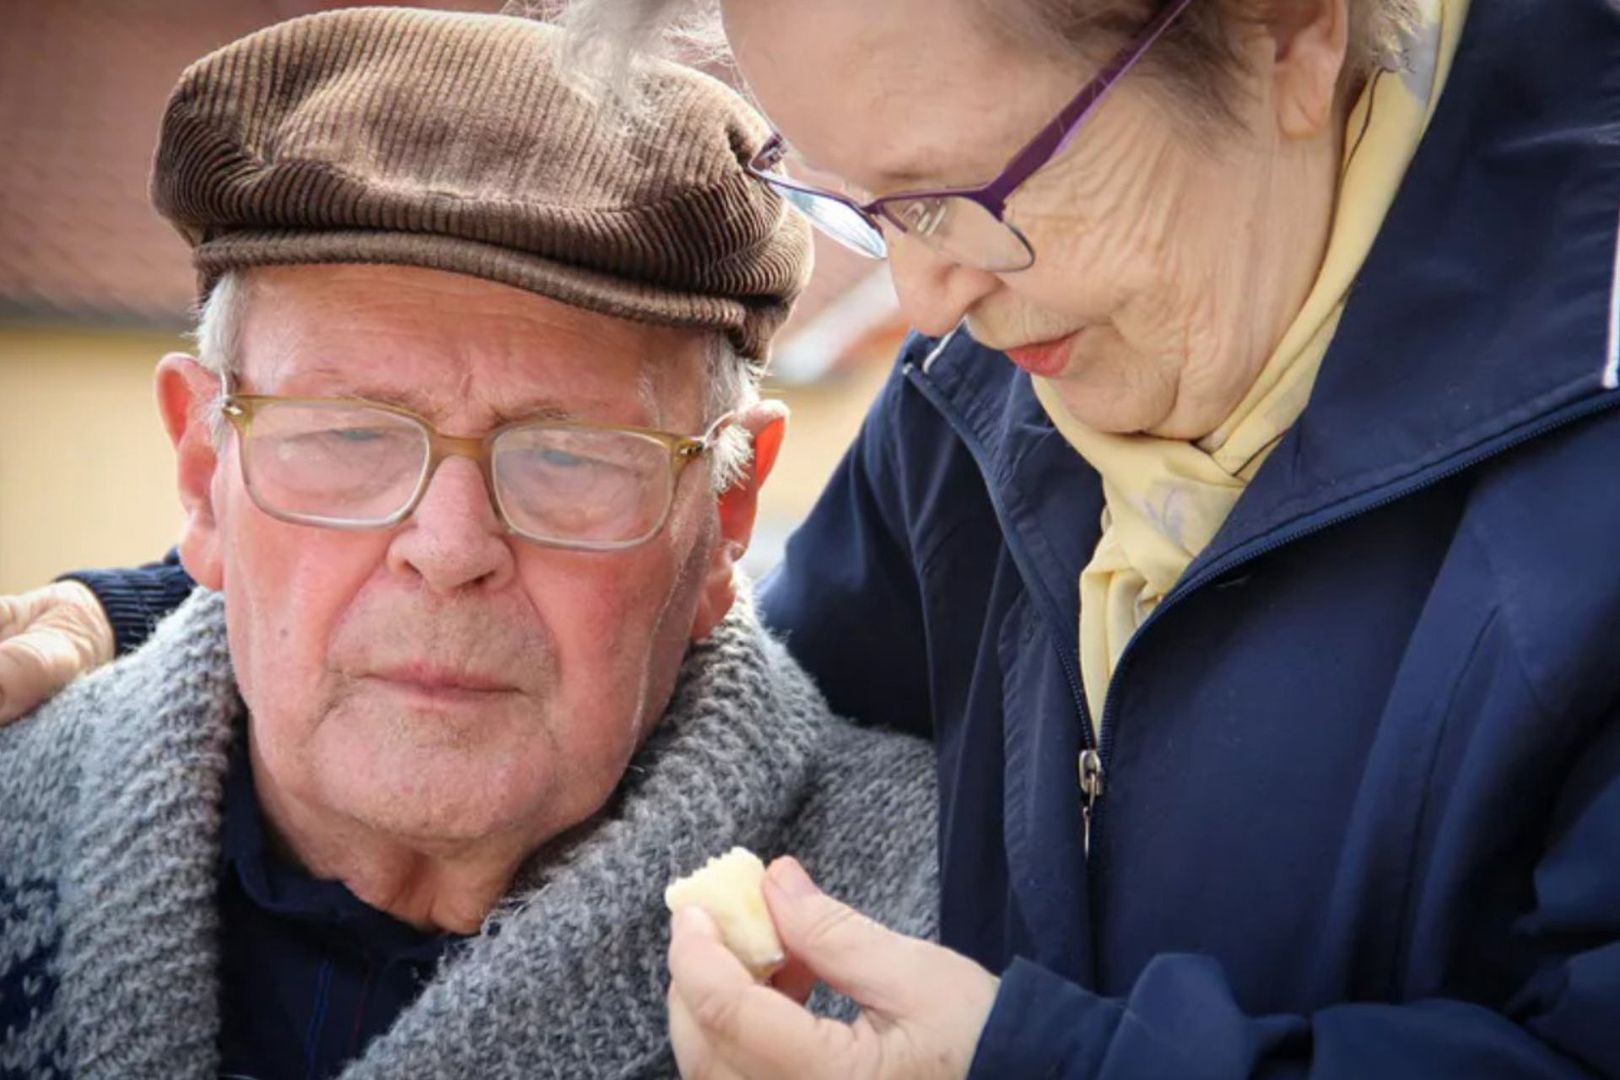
967 225
348 463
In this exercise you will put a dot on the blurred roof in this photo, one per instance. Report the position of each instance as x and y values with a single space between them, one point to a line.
82 89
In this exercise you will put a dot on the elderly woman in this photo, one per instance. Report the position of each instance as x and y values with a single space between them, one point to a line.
1263 606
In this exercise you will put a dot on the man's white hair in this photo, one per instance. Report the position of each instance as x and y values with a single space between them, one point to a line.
731 382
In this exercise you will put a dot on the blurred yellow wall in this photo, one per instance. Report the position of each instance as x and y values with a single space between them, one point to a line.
86 474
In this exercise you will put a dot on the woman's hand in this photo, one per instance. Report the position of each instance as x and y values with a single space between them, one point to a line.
923 1005
47 637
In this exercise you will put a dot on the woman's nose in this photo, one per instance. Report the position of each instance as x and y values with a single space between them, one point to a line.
935 293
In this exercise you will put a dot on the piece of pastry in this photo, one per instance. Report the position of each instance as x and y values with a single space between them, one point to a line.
730 888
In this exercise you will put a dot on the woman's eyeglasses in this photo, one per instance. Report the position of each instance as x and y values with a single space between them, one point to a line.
966 225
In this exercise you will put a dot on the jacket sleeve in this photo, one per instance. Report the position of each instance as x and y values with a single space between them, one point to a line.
136 599
845 599
1180 1018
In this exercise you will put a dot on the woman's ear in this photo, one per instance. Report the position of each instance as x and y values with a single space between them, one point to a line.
186 392
766 424
1312 40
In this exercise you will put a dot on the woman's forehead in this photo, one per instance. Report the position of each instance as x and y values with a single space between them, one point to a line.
892 94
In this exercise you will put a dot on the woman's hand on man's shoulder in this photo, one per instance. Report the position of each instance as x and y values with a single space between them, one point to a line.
48 637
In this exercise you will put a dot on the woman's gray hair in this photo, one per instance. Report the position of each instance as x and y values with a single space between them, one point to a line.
731 382
1198 56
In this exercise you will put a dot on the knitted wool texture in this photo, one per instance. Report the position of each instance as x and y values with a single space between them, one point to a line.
110 854
453 142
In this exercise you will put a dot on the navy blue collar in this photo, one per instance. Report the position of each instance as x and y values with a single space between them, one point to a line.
286 891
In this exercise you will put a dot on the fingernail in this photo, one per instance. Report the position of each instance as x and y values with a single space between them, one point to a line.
693 920
790 877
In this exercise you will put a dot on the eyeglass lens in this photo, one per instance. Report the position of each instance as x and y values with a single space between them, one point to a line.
838 220
581 484
354 466
962 230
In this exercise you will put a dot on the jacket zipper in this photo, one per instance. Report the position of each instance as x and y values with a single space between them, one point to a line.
1093 781
1095 754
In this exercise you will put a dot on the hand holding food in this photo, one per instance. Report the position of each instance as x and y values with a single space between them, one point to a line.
729 888
922 1006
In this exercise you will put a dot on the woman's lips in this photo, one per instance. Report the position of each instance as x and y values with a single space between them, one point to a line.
1044 358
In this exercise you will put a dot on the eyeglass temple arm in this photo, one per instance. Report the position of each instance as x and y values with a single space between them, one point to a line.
1054 137
711 434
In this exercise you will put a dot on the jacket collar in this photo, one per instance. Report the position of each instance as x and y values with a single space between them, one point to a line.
1486 311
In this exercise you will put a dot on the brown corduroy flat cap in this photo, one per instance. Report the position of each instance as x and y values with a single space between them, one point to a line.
450 141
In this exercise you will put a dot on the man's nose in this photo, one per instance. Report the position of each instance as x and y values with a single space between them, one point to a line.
935 293
454 538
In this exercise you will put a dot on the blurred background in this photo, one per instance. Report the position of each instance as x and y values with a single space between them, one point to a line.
95 287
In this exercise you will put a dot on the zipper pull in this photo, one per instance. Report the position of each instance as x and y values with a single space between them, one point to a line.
1092 784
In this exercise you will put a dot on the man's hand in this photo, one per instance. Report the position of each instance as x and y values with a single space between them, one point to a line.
47 637
923 1005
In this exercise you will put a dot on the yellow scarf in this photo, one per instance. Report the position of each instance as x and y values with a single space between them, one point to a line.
1165 499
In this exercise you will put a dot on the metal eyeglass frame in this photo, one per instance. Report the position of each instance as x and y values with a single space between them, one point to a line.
1047 144
239 409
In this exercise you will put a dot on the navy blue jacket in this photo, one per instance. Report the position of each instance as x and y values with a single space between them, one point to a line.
1361 812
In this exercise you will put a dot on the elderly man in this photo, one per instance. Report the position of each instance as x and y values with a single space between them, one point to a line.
465 461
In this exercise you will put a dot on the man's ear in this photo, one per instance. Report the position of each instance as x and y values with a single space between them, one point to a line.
1311 44
766 424
186 392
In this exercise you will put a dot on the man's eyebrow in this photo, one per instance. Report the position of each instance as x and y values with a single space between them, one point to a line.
530 408
542 409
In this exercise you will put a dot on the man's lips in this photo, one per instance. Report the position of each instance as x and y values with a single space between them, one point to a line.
1045 358
442 684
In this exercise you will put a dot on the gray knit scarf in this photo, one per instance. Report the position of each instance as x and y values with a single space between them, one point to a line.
110 813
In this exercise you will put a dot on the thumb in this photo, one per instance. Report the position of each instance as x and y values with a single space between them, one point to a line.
845 949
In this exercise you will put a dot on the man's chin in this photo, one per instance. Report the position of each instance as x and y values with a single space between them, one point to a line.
434 719
437 801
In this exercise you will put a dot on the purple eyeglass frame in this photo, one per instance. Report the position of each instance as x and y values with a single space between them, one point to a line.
1047 144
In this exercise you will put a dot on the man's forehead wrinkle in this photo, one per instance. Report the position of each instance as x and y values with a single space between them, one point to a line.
679 385
647 386
464 356
467 395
